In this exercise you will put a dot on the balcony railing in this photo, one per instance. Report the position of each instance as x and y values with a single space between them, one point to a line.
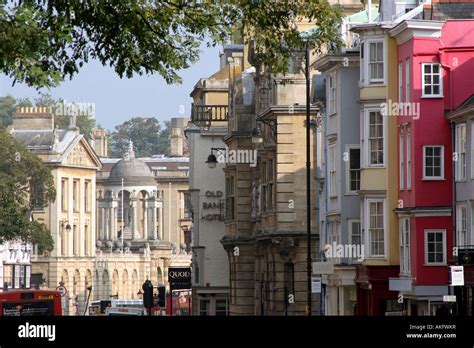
205 115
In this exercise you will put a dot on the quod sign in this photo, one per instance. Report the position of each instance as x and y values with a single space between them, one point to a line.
179 277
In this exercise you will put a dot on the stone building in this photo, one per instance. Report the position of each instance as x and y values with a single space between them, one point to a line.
207 186
86 220
266 218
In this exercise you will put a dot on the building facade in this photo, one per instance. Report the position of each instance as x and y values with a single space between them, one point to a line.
338 169
439 151
86 220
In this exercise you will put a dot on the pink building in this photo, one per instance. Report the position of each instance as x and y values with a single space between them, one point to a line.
435 77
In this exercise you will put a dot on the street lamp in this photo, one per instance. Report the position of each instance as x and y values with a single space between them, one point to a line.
212 159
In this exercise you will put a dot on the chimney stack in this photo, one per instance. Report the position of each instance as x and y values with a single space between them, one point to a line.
33 117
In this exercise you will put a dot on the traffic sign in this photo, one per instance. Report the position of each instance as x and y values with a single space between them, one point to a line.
62 290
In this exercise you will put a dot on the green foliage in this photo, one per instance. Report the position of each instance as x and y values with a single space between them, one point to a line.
146 134
8 106
21 173
43 42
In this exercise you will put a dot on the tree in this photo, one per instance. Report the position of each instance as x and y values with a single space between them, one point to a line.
25 182
45 41
146 134
8 105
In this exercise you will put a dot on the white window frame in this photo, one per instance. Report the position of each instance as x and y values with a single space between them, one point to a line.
366 139
461 151
351 236
404 237
408 159
401 160
368 43
461 226
332 94
400 82
332 175
423 85
348 168
367 228
441 177
426 232
351 231
407 81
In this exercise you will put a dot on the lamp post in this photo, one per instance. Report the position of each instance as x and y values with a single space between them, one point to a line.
308 178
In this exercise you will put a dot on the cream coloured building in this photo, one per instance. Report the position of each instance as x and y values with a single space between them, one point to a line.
86 221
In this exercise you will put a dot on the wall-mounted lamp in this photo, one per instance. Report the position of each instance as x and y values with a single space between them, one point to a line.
212 159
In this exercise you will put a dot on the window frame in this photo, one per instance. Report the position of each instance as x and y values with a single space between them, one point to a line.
400 82
459 231
351 234
401 159
408 156
407 80
332 89
426 232
368 62
405 246
461 168
368 229
367 147
350 148
423 84
433 178
230 198
332 170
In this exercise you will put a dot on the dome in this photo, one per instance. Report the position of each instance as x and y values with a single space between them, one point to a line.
132 170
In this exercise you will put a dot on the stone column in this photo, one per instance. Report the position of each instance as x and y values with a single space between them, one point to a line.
145 220
99 221
160 210
106 226
134 220
153 221
113 232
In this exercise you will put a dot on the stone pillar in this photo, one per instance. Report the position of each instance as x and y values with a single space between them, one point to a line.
153 221
134 220
106 226
113 232
160 210
99 223
145 220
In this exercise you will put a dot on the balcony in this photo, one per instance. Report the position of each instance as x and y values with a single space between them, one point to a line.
207 115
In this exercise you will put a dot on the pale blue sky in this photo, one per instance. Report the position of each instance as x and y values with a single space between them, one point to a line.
117 100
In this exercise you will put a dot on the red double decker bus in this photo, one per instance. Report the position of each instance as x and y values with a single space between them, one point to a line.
30 303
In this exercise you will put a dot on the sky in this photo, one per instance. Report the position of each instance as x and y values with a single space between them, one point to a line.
117 100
